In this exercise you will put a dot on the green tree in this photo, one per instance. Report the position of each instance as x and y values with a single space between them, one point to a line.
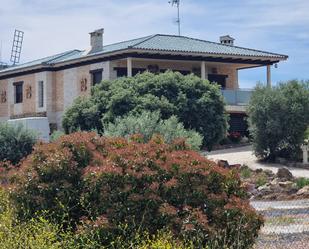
198 104
16 142
278 119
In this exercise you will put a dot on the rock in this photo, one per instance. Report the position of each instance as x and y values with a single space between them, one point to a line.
244 166
258 171
284 174
264 188
235 166
269 173
286 184
250 188
303 191
293 190
223 163
275 188
274 182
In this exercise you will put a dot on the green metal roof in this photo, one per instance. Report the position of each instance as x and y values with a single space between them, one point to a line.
187 44
46 60
157 42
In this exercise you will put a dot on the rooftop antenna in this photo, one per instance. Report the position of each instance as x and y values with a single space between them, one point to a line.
177 4
16 47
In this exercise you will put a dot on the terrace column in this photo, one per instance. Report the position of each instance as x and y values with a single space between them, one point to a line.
129 67
269 75
203 70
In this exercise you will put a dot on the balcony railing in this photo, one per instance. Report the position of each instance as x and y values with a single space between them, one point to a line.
237 96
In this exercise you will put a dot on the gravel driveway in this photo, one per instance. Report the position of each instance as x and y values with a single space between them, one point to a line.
244 155
286 224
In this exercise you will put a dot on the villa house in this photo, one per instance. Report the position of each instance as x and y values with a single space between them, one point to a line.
46 87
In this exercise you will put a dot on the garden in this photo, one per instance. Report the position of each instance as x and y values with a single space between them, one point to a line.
128 173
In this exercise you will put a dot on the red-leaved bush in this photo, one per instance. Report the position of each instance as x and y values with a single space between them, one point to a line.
114 184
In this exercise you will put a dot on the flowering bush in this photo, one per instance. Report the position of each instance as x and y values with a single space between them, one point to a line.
99 184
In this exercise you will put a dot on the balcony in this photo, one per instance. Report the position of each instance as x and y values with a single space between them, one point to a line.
237 97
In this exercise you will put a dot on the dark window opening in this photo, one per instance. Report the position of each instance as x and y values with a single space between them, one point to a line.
153 69
41 94
18 89
122 71
96 76
220 79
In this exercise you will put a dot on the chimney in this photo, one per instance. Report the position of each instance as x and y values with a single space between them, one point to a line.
96 40
227 40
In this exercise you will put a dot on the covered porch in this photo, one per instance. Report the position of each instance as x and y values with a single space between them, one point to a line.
222 71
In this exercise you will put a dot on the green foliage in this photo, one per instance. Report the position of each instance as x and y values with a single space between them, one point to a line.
198 104
278 119
261 179
96 184
82 115
148 124
307 133
302 182
34 234
16 142
56 135
245 172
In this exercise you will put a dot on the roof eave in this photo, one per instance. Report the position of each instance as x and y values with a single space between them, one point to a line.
138 50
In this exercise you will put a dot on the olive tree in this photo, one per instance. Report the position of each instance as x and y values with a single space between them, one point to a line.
278 119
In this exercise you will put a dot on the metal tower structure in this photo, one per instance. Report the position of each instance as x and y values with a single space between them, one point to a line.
177 4
16 47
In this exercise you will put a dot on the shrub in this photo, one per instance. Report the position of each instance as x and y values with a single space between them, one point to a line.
33 234
82 115
148 124
302 182
307 133
56 135
278 119
103 183
245 172
261 180
198 104
16 142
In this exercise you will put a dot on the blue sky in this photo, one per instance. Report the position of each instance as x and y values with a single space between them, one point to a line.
53 26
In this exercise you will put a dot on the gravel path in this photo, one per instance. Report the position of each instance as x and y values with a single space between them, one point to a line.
286 224
244 155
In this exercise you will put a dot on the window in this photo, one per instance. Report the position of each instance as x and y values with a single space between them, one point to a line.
218 78
41 94
18 90
96 76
